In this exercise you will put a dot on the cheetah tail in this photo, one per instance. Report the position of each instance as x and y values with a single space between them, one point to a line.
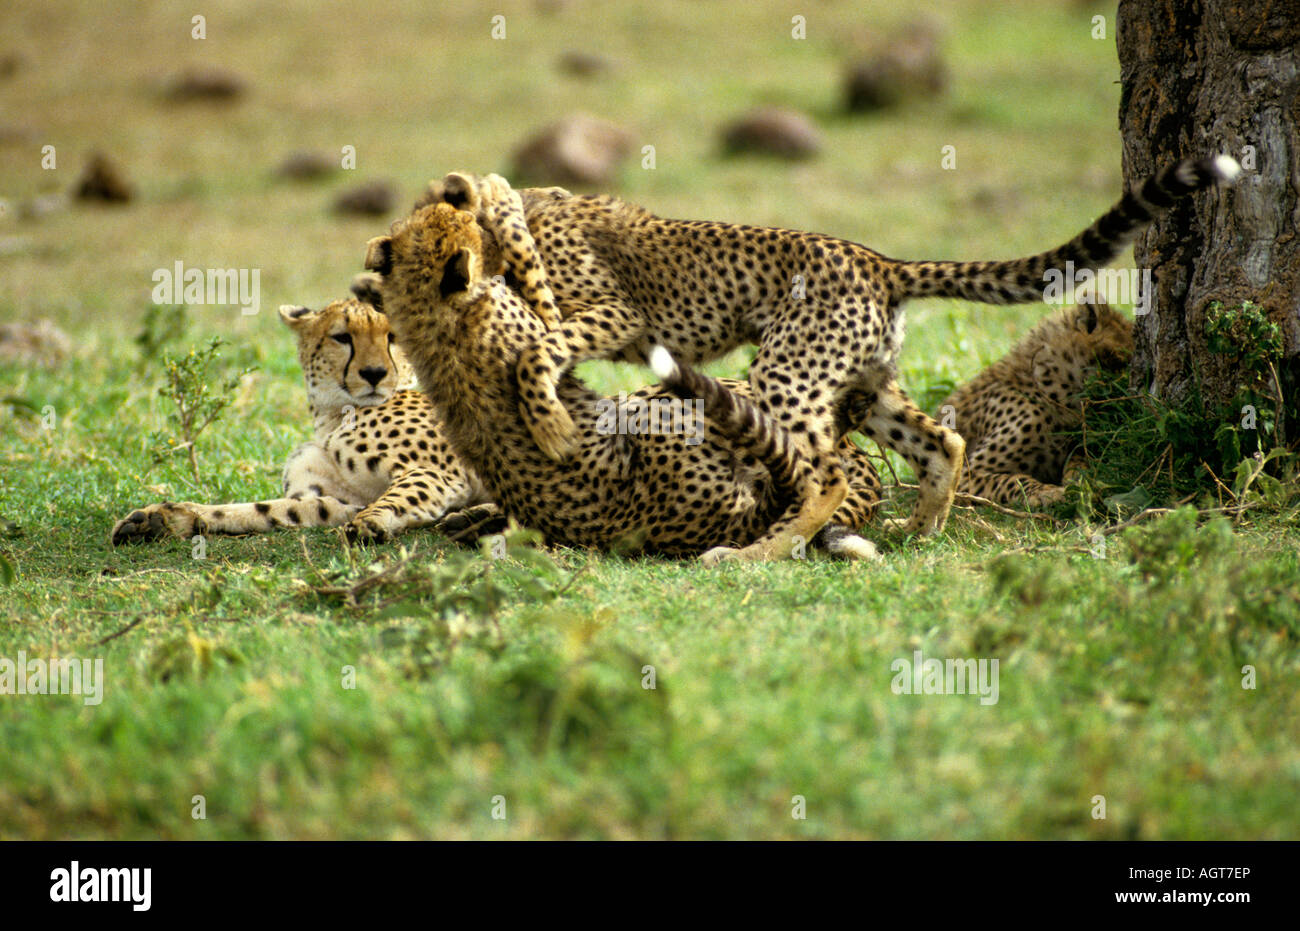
1022 281
737 418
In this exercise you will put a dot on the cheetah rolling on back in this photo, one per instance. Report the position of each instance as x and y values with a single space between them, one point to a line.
681 493
379 462
1013 413
826 314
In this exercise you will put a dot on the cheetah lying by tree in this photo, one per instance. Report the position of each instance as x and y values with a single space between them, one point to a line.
706 490
379 463
1013 413
826 314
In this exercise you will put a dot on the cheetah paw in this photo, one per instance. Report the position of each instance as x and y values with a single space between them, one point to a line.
553 430
1047 496
913 525
720 554
365 529
480 520
158 521
460 189
496 197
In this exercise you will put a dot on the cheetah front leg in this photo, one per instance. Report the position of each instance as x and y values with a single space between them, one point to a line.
419 497
500 211
313 496
934 452
596 331
185 519
988 476
592 330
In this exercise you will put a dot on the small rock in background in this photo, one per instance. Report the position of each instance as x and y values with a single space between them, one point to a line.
584 64
39 343
16 134
575 150
773 131
206 83
304 165
907 66
10 64
374 198
103 181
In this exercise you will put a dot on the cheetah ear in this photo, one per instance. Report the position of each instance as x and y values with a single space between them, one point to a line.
294 315
455 274
458 190
1089 318
379 255
366 288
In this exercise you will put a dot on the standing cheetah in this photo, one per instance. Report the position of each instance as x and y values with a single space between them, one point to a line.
1012 415
826 314
379 463
706 490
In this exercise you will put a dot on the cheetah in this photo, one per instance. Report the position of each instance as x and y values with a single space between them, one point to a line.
379 463
827 315
701 488
1012 414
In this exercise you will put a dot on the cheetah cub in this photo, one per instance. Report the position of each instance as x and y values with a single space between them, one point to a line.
1013 413
379 462
705 489
827 315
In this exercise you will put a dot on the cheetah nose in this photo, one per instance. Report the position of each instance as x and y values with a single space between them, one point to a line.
374 374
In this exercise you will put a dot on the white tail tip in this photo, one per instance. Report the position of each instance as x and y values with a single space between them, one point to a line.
1228 167
661 363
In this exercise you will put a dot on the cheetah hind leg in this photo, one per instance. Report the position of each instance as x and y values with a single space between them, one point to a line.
935 453
838 537
809 488
783 538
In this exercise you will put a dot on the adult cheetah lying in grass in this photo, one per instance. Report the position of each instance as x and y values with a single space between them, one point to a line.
379 462
826 314
1012 415
704 490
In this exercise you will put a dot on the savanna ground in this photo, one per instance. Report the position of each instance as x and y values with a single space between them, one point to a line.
1120 655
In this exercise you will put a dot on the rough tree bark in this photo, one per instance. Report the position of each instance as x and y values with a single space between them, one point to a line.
1200 77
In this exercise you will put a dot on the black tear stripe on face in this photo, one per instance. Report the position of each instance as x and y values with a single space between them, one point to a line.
352 354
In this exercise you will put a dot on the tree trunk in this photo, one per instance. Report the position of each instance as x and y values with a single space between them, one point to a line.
1201 77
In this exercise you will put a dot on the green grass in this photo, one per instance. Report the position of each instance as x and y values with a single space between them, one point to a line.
1120 676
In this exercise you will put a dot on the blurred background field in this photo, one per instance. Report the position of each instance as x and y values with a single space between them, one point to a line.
424 89
1121 676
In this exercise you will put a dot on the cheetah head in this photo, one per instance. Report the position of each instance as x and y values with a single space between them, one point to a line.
460 190
431 262
347 354
1105 333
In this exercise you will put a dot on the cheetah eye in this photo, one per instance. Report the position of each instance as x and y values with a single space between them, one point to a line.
344 338
391 337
